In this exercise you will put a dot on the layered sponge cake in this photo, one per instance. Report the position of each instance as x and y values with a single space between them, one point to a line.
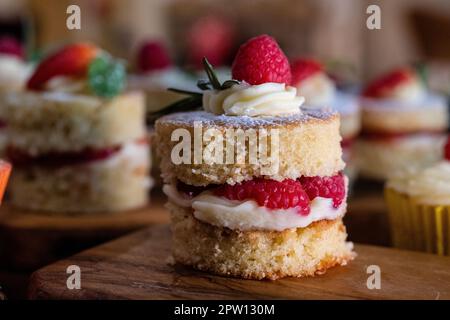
403 126
77 151
254 183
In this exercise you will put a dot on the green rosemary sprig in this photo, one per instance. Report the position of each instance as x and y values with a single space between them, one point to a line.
195 99
211 74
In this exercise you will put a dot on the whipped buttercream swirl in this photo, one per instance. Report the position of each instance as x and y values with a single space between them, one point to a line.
267 99
429 186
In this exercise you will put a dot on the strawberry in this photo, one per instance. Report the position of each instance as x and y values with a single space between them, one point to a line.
153 55
10 46
5 170
261 60
447 149
72 60
381 86
212 37
304 68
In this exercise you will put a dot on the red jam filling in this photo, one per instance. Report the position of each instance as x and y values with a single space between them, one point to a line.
60 159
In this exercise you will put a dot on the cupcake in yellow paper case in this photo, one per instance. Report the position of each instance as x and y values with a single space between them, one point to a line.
419 208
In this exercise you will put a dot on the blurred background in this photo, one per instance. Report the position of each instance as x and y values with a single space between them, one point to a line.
335 31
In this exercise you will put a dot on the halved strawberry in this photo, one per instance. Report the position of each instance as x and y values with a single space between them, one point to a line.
381 86
5 170
303 68
72 60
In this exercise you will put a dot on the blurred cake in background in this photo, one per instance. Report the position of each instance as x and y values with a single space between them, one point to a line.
319 90
403 125
155 73
419 208
212 36
77 142
14 72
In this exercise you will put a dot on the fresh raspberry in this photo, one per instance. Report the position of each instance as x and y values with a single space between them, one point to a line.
447 149
381 86
72 60
261 60
153 55
304 68
269 193
11 46
213 37
326 187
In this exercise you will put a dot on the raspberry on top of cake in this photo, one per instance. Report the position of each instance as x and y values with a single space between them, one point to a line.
399 102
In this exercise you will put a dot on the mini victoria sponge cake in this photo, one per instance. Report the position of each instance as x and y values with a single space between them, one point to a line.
254 183
401 136
403 126
242 239
76 153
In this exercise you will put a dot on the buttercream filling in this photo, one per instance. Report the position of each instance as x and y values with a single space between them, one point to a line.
248 215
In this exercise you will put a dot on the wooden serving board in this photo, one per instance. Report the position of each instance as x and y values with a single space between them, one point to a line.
29 241
136 267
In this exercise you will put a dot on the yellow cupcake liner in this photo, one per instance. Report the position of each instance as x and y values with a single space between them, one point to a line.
416 226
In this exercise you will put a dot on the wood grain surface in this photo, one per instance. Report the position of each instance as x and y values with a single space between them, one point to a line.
29 241
137 267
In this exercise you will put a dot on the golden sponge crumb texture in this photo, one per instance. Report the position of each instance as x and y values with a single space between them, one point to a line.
116 184
55 121
258 254
309 145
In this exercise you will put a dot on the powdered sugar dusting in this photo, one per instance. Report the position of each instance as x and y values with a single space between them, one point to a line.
188 118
